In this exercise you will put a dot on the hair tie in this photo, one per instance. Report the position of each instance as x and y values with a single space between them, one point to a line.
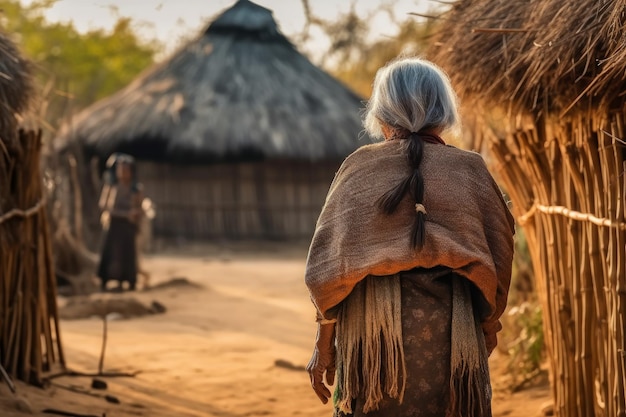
419 208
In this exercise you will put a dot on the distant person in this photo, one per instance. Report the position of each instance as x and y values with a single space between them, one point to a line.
410 263
120 203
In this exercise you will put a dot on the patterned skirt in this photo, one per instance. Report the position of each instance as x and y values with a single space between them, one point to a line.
426 329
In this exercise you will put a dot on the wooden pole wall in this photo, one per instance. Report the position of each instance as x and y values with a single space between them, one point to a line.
567 182
30 341
279 199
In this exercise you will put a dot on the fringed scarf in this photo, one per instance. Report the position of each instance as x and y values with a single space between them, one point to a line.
370 353
470 388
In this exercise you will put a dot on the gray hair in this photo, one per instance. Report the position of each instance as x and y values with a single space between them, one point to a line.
412 94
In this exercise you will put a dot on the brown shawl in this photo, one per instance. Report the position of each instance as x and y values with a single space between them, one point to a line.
469 228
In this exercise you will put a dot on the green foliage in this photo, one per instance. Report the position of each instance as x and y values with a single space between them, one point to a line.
353 57
523 324
357 69
527 350
81 67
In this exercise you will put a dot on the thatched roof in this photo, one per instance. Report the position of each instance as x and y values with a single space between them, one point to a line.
542 54
239 90
15 86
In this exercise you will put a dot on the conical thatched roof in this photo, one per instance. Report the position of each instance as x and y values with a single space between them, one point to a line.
542 54
15 86
239 90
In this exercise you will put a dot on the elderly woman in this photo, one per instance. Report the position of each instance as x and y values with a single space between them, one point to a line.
120 203
410 263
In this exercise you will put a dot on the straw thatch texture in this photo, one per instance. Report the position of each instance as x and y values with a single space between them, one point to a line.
29 334
546 81
15 88
239 90
535 55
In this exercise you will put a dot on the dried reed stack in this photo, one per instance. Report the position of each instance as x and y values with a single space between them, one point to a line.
553 71
29 334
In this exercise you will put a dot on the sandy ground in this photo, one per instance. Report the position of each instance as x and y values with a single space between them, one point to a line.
214 352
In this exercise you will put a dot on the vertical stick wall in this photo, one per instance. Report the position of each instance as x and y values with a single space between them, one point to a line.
564 176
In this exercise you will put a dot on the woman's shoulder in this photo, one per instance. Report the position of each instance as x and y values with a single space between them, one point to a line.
463 153
374 147
370 156
450 155
366 152
386 152
392 146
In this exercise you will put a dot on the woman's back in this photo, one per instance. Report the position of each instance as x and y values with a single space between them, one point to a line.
408 204
468 227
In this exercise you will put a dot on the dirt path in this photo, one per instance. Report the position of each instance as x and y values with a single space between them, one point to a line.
214 352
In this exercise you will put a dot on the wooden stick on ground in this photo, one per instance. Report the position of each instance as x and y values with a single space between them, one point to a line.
104 344
7 379
66 413
68 373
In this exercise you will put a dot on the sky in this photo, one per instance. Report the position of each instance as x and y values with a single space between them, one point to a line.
172 21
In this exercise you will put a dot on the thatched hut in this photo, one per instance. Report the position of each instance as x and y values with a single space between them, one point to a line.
29 335
545 82
237 134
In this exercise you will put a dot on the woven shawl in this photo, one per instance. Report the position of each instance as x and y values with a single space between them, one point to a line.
468 227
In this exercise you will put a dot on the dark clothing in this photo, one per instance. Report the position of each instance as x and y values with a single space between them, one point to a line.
119 254
119 251
426 331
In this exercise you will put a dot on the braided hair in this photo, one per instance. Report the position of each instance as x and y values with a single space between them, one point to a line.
414 185
411 97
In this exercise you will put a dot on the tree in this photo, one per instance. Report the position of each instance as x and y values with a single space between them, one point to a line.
352 57
75 69
359 72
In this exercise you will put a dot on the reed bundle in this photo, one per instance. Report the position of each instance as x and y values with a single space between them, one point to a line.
572 189
30 343
29 333
556 85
